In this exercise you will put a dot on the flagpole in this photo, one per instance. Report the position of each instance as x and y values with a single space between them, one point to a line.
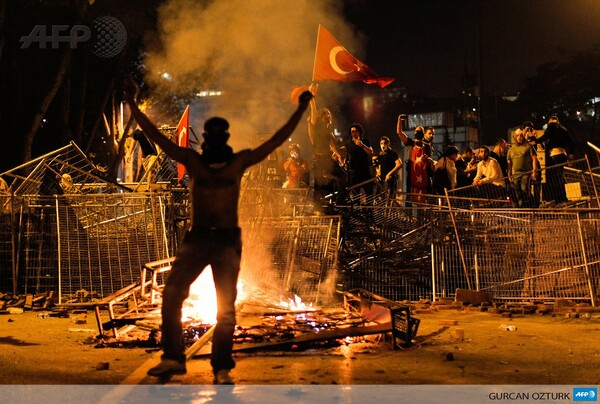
316 48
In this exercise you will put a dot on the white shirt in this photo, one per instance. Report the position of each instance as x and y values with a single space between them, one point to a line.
489 171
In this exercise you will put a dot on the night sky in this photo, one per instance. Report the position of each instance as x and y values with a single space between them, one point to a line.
429 44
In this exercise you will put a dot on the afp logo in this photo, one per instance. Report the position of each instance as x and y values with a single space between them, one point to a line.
585 394
107 36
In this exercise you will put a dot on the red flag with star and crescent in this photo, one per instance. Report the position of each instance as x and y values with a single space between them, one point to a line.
183 138
334 62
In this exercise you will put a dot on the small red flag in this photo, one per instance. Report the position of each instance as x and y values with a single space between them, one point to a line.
334 62
296 92
183 138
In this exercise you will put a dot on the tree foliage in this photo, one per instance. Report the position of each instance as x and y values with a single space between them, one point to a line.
54 95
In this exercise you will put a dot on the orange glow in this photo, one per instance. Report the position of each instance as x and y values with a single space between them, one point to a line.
295 304
201 304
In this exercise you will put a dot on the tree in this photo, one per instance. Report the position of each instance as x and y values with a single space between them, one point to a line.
53 96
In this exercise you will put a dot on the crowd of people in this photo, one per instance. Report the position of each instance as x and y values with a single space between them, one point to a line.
215 179
508 171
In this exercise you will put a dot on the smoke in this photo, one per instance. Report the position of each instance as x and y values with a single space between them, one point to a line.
253 52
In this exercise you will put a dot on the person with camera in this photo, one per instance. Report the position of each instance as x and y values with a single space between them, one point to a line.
359 159
296 169
559 151
214 236
387 164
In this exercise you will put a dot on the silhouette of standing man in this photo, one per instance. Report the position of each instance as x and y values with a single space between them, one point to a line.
214 237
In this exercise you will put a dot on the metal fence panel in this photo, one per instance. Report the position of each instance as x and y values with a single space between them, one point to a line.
519 255
92 242
105 239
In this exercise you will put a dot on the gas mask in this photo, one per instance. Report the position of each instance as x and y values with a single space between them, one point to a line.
215 148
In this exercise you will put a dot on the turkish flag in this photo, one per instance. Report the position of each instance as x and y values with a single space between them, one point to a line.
183 138
334 62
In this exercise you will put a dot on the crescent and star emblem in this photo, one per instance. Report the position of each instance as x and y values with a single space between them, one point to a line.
334 65
181 134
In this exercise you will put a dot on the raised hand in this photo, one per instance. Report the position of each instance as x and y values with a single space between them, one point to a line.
305 97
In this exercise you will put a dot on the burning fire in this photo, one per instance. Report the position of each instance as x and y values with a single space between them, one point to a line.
201 304
295 304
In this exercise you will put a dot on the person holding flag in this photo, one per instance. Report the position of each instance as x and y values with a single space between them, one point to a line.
214 237
327 158
333 62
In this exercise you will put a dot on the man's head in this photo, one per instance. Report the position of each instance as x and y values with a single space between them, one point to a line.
384 143
294 150
484 153
501 147
429 134
451 153
467 153
215 132
520 136
419 133
356 131
324 117
527 125
527 128
552 119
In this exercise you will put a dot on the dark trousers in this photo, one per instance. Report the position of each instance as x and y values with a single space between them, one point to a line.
522 190
222 249
329 178
555 178
391 187
356 178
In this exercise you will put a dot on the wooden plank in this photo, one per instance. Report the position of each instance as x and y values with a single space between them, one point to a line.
313 337
200 342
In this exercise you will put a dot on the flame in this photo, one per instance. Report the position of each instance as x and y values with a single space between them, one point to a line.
201 304
295 304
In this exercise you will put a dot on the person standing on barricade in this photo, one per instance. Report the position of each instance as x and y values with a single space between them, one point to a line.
444 176
419 168
214 237
327 158
359 160
522 170
296 169
559 149
387 164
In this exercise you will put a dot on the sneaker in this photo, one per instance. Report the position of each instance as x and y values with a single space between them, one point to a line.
168 367
223 377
